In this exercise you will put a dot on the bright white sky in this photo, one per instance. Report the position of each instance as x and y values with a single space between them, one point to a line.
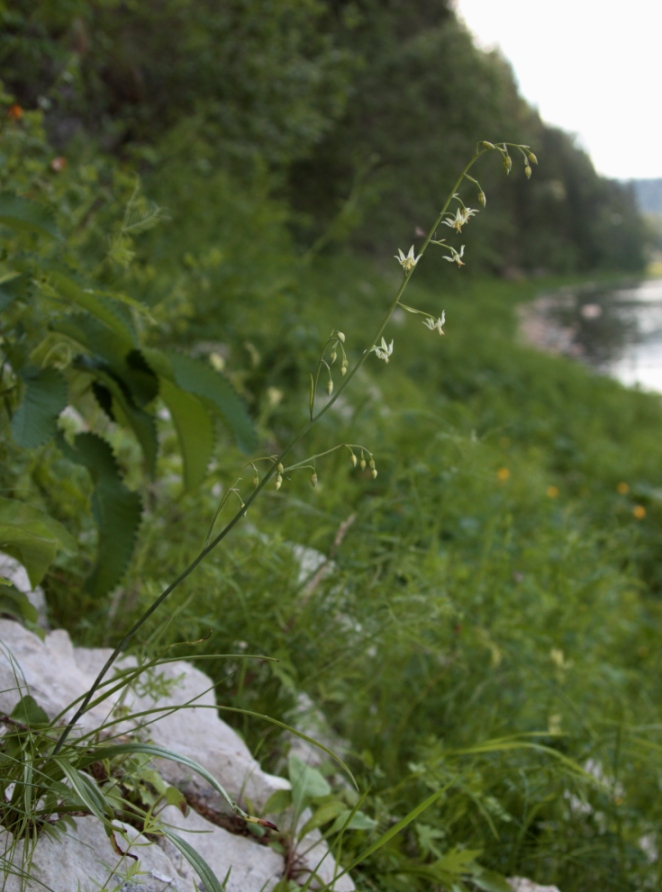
592 67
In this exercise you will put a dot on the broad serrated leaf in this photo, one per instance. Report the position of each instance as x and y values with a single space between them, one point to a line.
22 215
101 307
115 399
17 605
12 286
32 537
45 396
194 430
199 378
117 510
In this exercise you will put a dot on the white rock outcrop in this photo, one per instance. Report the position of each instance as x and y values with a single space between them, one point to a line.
55 673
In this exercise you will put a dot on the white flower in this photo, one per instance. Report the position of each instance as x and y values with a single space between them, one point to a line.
456 256
407 261
461 217
436 324
383 351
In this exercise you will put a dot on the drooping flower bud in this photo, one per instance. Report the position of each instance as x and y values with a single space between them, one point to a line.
313 479
374 473
354 460
507 163
527 171
482 199
341 337
362 464
333 356
329 386
280 468
279 482
532 158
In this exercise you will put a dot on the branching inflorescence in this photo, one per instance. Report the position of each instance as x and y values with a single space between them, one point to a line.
277 468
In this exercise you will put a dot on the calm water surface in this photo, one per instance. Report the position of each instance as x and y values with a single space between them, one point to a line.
617 331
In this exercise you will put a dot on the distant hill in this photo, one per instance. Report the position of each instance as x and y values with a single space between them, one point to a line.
649 196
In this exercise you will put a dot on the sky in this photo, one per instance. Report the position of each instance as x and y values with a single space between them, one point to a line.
592 67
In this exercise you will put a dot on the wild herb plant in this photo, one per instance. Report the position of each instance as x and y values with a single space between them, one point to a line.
58 781
333 350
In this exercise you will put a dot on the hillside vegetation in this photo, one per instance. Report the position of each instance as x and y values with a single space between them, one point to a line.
193 196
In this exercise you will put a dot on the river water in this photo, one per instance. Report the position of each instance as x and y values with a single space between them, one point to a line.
617 331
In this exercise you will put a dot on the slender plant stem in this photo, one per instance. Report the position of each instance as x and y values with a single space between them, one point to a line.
268 475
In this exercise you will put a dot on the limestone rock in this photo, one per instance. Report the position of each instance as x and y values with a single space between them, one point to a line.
84 860
521 884
56 673
247 864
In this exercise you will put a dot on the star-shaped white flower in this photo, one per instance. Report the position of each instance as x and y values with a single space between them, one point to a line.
461 217
436 324
407 261
456 256
383 350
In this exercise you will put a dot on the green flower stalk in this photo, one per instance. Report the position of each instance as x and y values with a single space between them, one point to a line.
335 343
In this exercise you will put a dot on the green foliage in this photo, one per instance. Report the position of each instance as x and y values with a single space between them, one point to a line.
70 342
115 508
32 537
482 639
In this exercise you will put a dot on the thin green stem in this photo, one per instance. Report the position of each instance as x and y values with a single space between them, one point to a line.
208 548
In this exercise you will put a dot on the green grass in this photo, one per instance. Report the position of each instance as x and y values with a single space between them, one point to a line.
494 584
488 629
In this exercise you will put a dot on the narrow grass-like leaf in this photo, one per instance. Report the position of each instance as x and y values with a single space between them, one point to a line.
397 828
87 790
197 862
110 751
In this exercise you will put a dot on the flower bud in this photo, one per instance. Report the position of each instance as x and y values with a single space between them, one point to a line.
374 473
313 479
532 158
482 199
279 482
341 337
362 464
487 145
343 368
280 469
256 480
527 171
329 386
507 163
372 463
333 356
354 460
